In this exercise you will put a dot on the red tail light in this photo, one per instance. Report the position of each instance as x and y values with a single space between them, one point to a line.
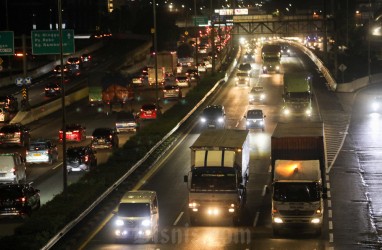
22 199
86 158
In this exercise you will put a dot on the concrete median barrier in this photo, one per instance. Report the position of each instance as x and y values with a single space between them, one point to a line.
25 117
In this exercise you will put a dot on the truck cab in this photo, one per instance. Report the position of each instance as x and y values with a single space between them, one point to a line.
297 198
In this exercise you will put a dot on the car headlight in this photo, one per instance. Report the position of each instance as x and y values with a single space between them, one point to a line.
251 97
236 78
286 111
146 223
220 119
264 67
119 222
202 119
261 122
277 67
308 112
315 221
262 96
278 220
248 122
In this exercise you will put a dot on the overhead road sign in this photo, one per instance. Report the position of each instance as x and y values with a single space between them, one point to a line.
7 45
47 42
200 20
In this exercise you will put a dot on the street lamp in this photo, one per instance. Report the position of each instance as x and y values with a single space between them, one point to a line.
155 53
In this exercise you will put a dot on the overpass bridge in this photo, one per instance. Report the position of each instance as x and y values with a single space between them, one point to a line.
284 26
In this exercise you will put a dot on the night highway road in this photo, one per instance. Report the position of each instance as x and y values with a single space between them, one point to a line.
167 179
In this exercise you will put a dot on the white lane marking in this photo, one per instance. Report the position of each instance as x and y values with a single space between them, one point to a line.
330 213
178 218
58 165
264 190
331 238
328 185
328 194
330 225
329 203
256 219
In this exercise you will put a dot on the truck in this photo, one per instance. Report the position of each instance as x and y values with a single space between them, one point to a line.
298 161
271 55
218 176
113 89
166 65
297 94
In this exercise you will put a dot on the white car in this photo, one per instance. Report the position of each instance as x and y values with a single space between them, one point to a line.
12 168
202 67
4 115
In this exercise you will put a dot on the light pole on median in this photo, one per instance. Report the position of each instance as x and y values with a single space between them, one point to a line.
155 53
64 168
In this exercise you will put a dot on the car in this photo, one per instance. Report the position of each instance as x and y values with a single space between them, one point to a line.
82 158
9 103
57 70
14 134
213 116
207 62
126 122
74 132
169 80
202 67
182 81
137 216
242 78
376 105
5 116
192 74
172 91
105 138
52 89
18 200
73 60
41 151
86 57
12 168
137 80
255 119
149 111
256 94
285 50
246 67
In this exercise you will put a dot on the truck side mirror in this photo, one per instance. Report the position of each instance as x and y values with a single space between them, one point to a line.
185 178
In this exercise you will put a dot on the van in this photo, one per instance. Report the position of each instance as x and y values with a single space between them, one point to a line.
12 168
137 216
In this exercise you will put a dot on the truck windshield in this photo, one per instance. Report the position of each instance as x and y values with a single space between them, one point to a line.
134 209
296 192
298 95
213 181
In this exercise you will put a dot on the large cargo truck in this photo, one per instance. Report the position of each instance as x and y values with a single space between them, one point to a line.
166 65
219 174
298 158
297 95
271 55
112 90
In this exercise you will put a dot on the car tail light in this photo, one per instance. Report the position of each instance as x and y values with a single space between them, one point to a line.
47 151
110 136
86 158
22 199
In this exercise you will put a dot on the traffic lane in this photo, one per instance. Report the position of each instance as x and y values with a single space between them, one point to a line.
366 140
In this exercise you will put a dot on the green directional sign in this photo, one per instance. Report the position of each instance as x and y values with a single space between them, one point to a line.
45 42
7 45
200 20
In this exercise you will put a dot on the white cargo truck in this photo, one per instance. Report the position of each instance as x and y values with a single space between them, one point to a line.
219 174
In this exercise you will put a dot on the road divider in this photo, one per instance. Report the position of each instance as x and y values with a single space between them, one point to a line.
36 113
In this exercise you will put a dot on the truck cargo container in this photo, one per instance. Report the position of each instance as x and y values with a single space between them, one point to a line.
298 159
219 174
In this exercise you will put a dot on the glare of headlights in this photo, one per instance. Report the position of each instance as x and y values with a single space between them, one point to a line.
119 222
220 119
146 223
203 119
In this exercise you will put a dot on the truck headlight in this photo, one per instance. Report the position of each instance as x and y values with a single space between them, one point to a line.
278 220
202 119
193 205
308 112
213 211
220 119
119 223
248 122
286 111
146 223
262 96
315 221
264 67
277 67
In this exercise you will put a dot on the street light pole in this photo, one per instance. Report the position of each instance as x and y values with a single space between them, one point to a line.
155 53
196 42
368 45
64 167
